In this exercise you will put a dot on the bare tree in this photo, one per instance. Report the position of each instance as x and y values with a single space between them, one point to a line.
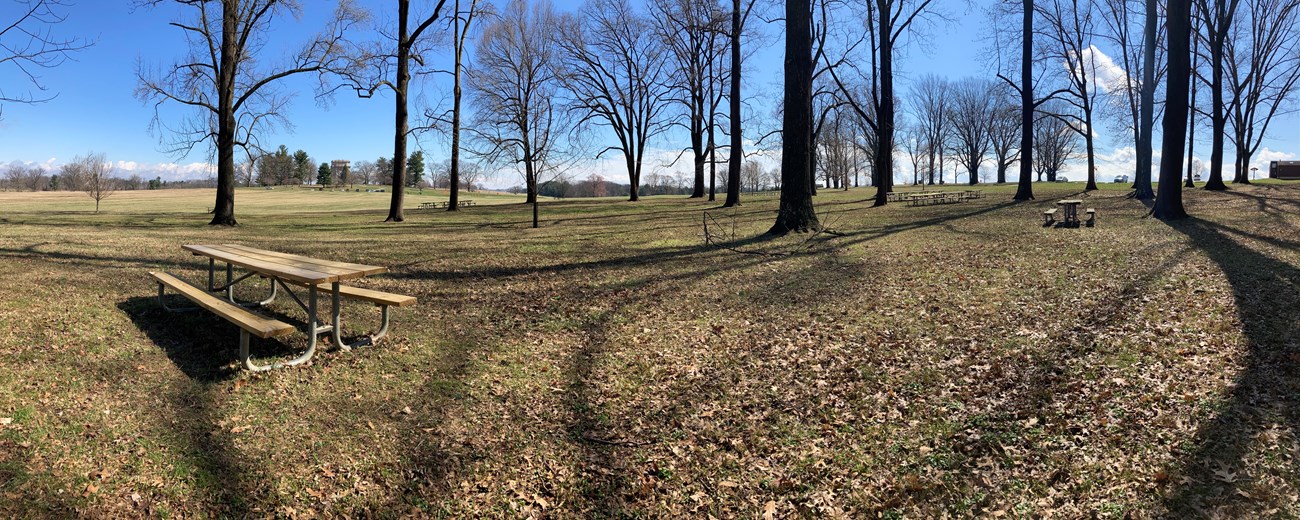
886 22
97 172
1263 68
971 119
364 172
387 64
913 141
72 176
616 71
931 111
689 29
26 178
1004 131
1069 32
520 119
1055 142
462 26
1123 25
222 78
734 162
1216 20
28 43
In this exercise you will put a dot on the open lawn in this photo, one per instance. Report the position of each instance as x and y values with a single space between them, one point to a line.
953 359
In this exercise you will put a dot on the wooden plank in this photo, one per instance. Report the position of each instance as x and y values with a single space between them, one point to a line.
277 270
344 269
370 295
256 325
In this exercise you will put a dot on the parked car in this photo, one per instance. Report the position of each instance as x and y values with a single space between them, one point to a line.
1120 179
1061 178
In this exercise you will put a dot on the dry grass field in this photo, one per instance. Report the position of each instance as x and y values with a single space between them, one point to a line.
954 360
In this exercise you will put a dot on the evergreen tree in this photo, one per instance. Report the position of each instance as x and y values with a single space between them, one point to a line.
323 174
415 169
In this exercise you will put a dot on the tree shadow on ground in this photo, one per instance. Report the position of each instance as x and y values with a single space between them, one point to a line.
1267 390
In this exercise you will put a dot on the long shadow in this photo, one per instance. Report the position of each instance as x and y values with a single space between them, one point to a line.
858 237
203 346
657 255
1267 388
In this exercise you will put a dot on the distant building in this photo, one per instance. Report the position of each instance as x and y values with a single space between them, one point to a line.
340 170
1289 170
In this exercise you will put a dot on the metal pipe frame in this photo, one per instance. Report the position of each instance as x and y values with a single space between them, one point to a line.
163 302
228 288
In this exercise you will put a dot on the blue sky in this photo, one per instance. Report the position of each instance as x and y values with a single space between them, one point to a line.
95 109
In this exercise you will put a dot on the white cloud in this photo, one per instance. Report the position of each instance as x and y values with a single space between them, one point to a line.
1108 74
1266 156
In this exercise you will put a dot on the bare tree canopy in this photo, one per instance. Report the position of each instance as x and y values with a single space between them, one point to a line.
28 42
95 173
232 92
971 118
1069 29
1263 69
519 120
617 73
1055 142
691 30
387 64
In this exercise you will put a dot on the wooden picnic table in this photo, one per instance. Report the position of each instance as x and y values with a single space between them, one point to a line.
1071 211
282 269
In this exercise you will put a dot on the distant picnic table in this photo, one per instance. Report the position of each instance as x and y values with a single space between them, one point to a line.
925 198
283 270
444 204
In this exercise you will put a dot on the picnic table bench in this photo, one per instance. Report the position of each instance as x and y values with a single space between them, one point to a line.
283 270
1071 211
428 205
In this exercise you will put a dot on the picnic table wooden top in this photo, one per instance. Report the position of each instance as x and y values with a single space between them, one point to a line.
1070 201
284 265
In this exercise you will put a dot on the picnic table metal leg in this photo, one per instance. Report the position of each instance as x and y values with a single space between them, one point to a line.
163 302
338 324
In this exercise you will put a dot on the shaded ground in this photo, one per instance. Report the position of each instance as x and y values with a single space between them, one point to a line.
957 359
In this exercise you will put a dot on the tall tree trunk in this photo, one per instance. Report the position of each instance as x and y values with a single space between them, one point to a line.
1089 145
453 198
737 154
1191 117
400 125
796 211
1218 118
1169 201
1025 189
223 211
697 149
885 111
1146 106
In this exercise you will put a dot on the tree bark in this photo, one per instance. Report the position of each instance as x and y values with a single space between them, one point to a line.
796 211
1169 200
453 177
1025 189
1191 120
1218 119
223 211
737 155
1142 177
400 114
885 110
